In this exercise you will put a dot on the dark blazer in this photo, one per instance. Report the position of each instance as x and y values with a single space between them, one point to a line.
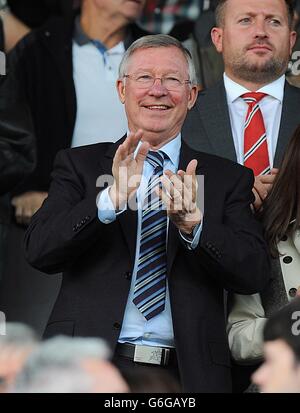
207 127
44 67
97 259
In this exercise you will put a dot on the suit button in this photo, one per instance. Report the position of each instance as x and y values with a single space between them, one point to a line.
287 260
293 292
117 326
87 217
128 275
208 245
83 222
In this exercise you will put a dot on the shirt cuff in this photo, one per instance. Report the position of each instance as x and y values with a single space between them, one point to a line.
106 209
192 243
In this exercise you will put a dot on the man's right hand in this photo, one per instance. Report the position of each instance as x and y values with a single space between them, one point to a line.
27 204
262 186
127 170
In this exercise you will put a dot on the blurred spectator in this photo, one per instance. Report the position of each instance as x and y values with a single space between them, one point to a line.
160 16
67 71
15 347
280 372
281 219
17 149
196 36
70 365
21 16
190 22
35 13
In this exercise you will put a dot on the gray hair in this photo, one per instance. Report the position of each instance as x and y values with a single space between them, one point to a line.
57 355
18 335
156 41
68 379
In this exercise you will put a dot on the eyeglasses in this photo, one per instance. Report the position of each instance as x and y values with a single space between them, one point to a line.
144 81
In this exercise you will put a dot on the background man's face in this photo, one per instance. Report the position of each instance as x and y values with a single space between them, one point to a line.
280 373
130 9
156 110
255 40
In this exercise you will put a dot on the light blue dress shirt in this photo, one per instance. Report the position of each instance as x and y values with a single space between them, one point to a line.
157 331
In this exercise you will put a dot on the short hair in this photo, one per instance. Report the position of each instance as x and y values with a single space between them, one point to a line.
58 354
18 335
220 12
67 379
283 325
156 41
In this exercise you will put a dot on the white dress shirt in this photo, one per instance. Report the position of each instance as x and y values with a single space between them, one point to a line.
270 106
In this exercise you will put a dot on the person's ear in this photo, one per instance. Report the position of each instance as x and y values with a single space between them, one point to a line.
293 38
192 96
217 38
121 90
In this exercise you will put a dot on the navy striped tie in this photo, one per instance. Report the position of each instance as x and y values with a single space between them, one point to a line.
150 285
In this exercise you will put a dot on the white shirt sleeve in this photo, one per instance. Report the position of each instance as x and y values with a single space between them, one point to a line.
245 326
106 209
192 243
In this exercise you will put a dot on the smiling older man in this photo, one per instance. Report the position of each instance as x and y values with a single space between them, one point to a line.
146 267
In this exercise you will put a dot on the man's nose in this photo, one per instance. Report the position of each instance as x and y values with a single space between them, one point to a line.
158 89
260 29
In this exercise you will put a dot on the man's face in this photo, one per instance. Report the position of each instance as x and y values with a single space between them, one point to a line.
130 9
280 373
255 39
159 112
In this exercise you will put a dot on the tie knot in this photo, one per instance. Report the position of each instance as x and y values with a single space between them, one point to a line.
253 97
156 159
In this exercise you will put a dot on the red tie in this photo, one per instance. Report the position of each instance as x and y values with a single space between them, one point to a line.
256 156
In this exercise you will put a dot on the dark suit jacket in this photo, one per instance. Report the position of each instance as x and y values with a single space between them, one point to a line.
44 70
207 127
97 259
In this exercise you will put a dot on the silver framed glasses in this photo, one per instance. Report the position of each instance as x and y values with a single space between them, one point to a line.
146 81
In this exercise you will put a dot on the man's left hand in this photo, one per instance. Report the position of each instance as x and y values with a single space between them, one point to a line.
179 194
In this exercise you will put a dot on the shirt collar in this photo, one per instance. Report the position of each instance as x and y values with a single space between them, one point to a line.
82 39
235 90
172 149
79 35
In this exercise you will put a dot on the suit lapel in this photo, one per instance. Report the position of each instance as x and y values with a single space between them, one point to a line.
289 120
128 219
213 111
